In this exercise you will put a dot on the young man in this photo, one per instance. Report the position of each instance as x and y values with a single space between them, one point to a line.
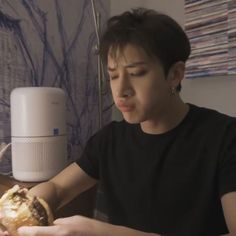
169 168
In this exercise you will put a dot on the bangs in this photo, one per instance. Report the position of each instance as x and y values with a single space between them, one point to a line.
114 44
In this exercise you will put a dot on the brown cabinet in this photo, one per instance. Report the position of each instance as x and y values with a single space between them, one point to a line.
82 205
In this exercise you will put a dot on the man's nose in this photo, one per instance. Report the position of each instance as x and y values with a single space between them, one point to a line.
124 88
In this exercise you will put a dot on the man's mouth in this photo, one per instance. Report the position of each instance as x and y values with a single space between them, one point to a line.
124 107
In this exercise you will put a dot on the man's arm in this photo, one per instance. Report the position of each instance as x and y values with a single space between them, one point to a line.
65 186
229 207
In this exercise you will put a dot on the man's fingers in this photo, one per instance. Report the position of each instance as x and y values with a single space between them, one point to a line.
77 219
67 220
37 231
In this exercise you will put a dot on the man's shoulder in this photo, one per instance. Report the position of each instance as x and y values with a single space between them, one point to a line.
210 115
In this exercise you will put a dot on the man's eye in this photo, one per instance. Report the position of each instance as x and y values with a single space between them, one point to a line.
112 77
138 73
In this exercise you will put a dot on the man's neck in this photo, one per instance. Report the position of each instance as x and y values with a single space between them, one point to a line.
171 118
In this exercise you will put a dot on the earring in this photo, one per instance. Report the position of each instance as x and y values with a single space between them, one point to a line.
173 90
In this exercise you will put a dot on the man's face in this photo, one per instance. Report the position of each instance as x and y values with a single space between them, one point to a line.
139 86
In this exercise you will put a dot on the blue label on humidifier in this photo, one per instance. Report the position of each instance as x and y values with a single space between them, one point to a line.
55 131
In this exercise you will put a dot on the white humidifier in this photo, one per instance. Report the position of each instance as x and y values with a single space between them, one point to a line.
38 133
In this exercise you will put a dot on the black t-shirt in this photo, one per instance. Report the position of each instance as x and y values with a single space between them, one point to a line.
168 183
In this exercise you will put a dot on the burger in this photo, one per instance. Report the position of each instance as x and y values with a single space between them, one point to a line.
18 208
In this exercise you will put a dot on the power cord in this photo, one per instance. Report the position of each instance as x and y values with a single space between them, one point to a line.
3 149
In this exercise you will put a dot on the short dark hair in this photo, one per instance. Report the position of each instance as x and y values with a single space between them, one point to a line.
158 34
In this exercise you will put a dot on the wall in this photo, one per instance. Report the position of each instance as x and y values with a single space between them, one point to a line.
52 43
214 92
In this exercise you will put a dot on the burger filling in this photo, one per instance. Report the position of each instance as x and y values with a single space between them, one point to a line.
39 212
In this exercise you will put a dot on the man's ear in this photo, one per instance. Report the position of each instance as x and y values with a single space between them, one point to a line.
176 74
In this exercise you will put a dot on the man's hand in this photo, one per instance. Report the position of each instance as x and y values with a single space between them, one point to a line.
75 225
80 226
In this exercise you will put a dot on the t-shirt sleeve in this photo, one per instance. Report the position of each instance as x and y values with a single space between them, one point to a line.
89 160
227 172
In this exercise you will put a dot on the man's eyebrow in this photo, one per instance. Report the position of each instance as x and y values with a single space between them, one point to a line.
133 64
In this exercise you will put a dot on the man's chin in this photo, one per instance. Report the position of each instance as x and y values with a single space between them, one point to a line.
131 120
